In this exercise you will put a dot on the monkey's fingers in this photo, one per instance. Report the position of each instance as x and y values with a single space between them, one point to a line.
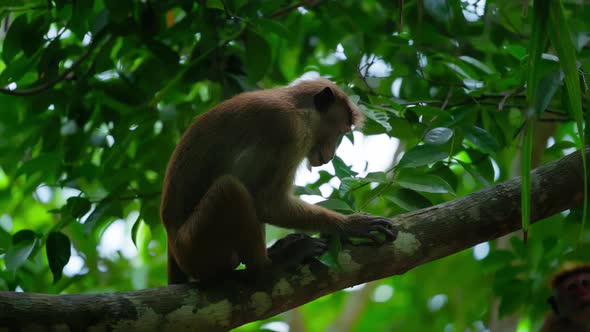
380 221
320 247
388 233
374 238
297 248
383 226
321 242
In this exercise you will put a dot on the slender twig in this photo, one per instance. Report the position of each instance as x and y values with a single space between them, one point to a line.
475 101
555 119
447 98
363 72
504 99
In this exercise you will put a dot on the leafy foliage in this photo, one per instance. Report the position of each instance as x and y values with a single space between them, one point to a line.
95 96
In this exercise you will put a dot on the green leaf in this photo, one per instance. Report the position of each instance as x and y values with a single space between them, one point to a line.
353 46
561 39
558 147
258 56
348 183
215 4
11 5
481 139
378 116
379 177
476 63
474 173
408 200
19 67
265 25
46 163
303 190
77 206
525 197
150 213
519 247
163 52
12 44
520 293
5 240
135 230
424 183
25 35
516 51
537 46
497 259
457 115
546 90
330 257
23 243
100 215
422 155
440 10
438 136
119 10
341 169
58 253
336 205
430 112
81 12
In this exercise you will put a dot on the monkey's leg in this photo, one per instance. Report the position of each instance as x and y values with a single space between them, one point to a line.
175 274
222 231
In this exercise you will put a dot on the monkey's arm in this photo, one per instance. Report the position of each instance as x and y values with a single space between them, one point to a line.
297 214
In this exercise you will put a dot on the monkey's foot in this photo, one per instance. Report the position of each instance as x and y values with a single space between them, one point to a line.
296 248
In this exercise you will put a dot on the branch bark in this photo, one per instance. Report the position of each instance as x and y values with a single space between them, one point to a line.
424 236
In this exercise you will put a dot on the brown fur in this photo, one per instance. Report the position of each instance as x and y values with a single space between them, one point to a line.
554 323
233 169
570 301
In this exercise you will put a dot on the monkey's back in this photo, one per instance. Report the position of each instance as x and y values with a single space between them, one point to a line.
245 136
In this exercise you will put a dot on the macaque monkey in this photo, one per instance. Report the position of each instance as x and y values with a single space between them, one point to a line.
570 301
233 169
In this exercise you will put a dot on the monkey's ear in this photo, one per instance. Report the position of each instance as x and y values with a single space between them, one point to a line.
323 99
553 303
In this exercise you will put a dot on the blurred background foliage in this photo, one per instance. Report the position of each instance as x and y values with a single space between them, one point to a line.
95 94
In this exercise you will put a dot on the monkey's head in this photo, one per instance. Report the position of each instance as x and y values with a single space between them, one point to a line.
337 116
571 293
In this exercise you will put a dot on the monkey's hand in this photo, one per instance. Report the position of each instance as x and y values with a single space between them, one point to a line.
367 226
295 249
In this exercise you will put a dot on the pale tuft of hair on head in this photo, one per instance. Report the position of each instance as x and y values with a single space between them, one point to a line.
307 76
357 117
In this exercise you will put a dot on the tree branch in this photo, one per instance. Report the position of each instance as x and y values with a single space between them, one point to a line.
424 236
